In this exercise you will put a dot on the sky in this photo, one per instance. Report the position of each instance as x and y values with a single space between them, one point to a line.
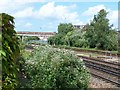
46 15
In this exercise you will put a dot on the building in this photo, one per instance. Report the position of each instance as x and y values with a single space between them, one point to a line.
79 26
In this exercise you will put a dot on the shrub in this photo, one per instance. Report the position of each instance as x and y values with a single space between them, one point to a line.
30 38
54 68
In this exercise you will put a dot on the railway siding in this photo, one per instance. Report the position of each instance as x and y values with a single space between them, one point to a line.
100 60
102 52
108 71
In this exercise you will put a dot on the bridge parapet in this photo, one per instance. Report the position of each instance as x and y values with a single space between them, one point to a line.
41 35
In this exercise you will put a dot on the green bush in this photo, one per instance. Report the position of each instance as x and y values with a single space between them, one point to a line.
29 38
54 68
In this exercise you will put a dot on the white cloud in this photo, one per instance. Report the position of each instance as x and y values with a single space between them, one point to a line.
59 12
79 23
23 24
28 24
46 10
112 15
18 2
51 11
27 12
91 11
28 1
94 10
3 5
85 0
10 5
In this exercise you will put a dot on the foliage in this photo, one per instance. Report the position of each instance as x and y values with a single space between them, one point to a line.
59 39
72 37
99 34
76 38
54 68
29 38
51 40
56 40
10 52
65 28
24 54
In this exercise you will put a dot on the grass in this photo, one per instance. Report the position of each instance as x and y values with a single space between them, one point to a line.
91 49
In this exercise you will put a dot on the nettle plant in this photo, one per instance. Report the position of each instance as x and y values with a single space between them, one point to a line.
55 68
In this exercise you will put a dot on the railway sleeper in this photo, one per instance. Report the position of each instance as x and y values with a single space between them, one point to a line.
103 69
106 79
100 60
103 65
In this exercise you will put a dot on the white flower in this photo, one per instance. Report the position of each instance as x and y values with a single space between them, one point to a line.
84 66
81 59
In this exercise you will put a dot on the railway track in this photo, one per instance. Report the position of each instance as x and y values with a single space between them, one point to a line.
100 60
106 79
105 70
109 71
106 53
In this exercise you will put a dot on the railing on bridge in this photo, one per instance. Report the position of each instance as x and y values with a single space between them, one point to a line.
41 35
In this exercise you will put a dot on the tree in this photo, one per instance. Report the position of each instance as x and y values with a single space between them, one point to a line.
89 36
59 38
51 40
29 38
75 38
98 32
10 52
65 28
67 38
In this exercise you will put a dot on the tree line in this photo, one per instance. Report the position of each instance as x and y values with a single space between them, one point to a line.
97 34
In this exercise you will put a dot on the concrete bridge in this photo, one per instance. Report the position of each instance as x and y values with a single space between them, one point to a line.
42 35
